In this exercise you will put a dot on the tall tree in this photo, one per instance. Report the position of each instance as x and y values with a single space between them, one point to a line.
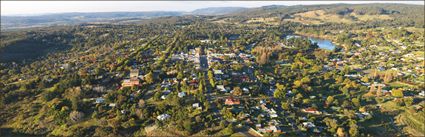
340 132
353 131
149 78
237 91
397 93
211 78
379 91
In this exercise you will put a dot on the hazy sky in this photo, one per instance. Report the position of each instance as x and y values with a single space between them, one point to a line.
42 7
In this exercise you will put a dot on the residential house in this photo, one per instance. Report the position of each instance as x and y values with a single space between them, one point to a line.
218 72
272 113
422 93
362 115
98 88
262 102
221 88
66 66
273 129
181 94
254 133
232 101
308 125
130 82
197 106
163 117
312 111
165 93
99 100
134 73
133 81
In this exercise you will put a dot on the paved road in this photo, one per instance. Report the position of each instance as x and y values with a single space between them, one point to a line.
241 97
203 61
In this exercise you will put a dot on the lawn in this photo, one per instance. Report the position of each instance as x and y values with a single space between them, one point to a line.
399 84
413 122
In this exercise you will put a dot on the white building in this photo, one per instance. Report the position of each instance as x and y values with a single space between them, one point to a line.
163 117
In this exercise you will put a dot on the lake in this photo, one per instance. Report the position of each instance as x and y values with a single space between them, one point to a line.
323 43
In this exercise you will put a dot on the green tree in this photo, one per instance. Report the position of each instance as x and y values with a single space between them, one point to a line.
201 87
340 132
299 96
280 87
305 80
365 79
356 102
408 101
180 75
285 105
157 95
353 131
222 123
331 123
187 124
237 91
207 105
141 103
397 93
76 116
228 130
297 83
149 78
211 78
114 122
329 100
75 103
278 94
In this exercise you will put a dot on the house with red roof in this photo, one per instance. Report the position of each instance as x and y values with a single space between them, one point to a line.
312 111
232 101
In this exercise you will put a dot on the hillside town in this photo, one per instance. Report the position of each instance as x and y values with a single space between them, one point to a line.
228 75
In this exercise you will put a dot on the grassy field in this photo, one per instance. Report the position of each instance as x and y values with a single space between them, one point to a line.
414 123
270 21
320 17
371 17
399 84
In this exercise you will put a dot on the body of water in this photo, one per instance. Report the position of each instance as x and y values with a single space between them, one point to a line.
323 43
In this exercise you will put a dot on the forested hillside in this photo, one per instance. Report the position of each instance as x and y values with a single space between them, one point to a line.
401 14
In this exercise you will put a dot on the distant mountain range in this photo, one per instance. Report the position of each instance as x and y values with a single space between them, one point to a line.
13 22
10 22
217 10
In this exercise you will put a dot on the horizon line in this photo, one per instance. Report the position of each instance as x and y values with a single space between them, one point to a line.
212 6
